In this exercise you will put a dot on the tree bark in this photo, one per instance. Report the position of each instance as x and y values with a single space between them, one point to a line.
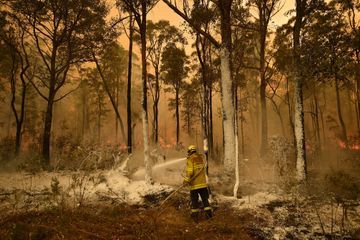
19 117
47 130
99 121
211 124
14 68
237 174
242 129
357 105
224 8
264 126
211 127
291 122
20 122
117 106
201 54
300 131
49 110
322 110
177 116
227 87
128 106
156 105
317 123
341 120
84 115
301 165
145 121
112 100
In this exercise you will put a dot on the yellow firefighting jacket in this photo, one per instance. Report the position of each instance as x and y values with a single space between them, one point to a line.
195 172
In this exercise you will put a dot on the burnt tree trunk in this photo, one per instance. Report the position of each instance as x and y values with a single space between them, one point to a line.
47 130
19 124
18 57
317 123
156 105
228 121
291 122
357 105
177 115
111 97
49 110
211 125
264 126
201 54
128 106
117 92
322 110
99 120
84 115
14 68
339 111
145 121
242 129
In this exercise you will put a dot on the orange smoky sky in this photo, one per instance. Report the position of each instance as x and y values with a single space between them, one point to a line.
162 12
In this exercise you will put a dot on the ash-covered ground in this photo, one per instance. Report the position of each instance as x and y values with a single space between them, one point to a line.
118 204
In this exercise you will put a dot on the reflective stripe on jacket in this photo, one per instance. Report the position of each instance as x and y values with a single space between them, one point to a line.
195 171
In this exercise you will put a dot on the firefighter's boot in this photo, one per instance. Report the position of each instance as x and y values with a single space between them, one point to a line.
195 216
208 213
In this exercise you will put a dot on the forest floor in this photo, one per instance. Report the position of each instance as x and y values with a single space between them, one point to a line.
126 222
110 204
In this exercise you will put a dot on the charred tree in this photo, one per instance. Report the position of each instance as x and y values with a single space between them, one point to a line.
13 36
158 36
61 35
266 10
110 95
142 26
339 112
128 92
140 9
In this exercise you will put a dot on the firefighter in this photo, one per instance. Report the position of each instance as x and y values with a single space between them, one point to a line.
196 179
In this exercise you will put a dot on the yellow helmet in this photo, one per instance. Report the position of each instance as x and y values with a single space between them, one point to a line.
191 149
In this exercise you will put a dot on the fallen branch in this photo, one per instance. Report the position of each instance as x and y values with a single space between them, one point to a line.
32 194
170 195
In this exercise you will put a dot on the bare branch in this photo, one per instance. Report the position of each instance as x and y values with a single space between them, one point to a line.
107 89
39 48
48 34
42 81
190 22
278 9
68 93
120 20
38 90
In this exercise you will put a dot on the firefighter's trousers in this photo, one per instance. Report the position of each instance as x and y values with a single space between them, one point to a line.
195 208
